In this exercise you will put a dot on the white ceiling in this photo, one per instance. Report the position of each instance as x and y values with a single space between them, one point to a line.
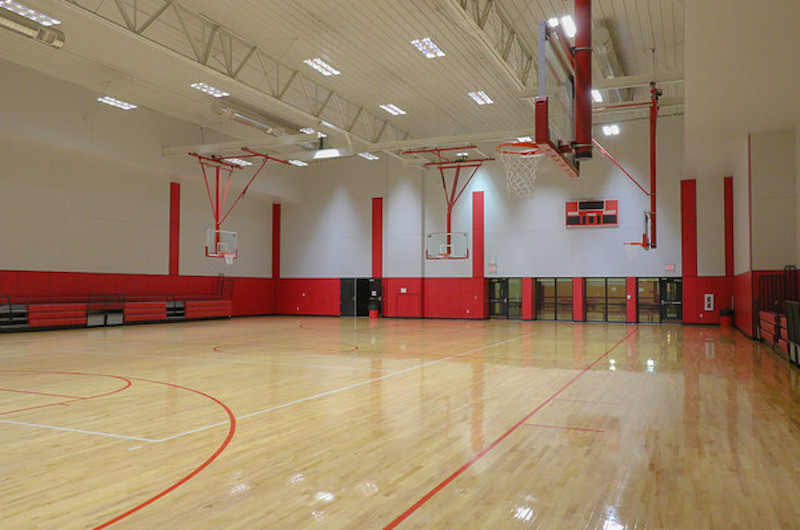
367 40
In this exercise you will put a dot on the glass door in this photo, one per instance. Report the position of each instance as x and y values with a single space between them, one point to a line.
671 298
498 298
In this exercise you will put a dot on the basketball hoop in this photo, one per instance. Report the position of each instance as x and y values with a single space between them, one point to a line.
229 257
521 160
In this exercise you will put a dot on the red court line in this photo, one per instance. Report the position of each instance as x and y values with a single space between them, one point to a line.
198 469
582 429
402 517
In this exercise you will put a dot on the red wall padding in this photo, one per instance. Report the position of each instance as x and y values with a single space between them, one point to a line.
694 291
406 304
743 300
455 298
308 296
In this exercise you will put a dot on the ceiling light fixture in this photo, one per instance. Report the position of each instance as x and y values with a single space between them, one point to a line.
307 130
597 96
321 66
428 48
298 163
481 98
394 110
552 22
30 23
611 130
327 153
124 105
30 14
525 139
239 162
368 156
569 26
210 90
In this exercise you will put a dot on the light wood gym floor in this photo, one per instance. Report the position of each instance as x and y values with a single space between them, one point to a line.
285 422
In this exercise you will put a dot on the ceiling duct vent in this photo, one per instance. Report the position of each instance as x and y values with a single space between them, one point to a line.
238 115
19 24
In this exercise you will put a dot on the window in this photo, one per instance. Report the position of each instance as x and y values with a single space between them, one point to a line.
554 298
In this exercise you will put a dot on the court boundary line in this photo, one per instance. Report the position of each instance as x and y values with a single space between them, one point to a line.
436 489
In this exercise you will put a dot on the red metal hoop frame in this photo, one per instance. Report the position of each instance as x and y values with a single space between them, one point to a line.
520 149
443 163
223 170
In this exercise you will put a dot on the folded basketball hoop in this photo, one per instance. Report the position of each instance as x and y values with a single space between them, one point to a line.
521 160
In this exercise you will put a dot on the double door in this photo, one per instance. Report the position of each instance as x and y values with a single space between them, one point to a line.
505 298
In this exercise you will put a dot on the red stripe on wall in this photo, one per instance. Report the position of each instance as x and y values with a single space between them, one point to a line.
728 226
477 234
276 240
377 237
689 228
174 226
631 300
578 300
750 199
528 299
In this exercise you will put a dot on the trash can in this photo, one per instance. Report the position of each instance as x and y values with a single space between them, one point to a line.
374 308
726 318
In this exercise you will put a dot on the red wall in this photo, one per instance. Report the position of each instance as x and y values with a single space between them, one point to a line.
631 300
694 289
308 296
455 298
251 296
578 300
406 304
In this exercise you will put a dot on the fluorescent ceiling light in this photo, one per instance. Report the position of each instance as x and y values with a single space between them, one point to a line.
27 12
124 105
327 153
368 156
610 130
321 66
307 130
298 163
525 139
569 26
552 22
597 96
239 162
481 98
210 90
394 110
462 154
428 48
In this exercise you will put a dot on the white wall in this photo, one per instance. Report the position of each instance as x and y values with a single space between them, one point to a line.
83 186
774 199
327 233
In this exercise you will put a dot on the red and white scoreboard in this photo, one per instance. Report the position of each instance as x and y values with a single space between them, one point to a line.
581 214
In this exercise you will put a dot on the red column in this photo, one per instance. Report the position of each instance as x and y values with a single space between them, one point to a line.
729 226
578 300
377 237
528 299
631 301
276 241
689 228
477 234
174 227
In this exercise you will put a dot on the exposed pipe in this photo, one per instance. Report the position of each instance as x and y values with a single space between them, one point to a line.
18 24
583 79
654 95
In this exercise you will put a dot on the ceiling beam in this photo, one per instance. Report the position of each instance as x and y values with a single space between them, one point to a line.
236 145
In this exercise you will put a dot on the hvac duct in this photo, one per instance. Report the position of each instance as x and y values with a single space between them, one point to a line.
19 24
228 111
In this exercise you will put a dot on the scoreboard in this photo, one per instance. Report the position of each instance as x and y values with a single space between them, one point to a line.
581 214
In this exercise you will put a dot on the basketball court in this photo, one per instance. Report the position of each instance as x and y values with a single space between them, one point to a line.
442 264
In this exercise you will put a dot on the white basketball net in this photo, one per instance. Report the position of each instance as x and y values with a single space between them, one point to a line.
520 163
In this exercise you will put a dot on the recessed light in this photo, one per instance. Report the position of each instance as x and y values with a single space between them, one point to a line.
428 48
321 66
481 98
124 105
210 90
27 12
368 156
298 163
597 96
394 110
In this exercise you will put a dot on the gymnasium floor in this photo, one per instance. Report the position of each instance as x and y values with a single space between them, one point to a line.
284 422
